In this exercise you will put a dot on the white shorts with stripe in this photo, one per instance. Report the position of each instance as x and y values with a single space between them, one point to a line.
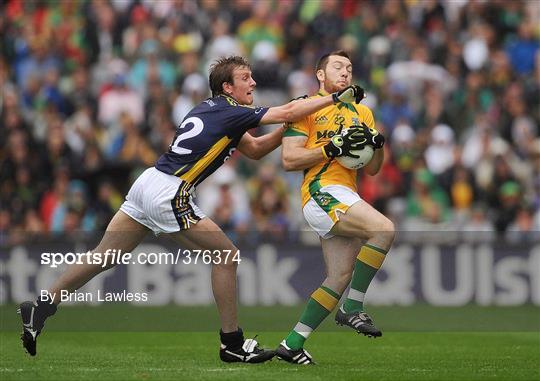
161 202
322 210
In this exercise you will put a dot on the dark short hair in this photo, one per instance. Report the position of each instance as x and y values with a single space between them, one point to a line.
221 71
323 61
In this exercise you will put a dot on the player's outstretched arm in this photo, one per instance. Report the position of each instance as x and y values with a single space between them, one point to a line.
257 147
298 109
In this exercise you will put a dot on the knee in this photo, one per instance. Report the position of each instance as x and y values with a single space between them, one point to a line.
388 230
383 232
339 280
227 261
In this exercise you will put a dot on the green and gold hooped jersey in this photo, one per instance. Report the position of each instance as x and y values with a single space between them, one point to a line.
319 128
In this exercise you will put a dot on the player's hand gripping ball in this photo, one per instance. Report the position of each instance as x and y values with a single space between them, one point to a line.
357 158
364 142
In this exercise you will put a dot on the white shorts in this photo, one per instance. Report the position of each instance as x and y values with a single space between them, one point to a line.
161 202
322 210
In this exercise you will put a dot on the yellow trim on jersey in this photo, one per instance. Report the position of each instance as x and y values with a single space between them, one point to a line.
324 153
205 161
180 170
371 257
324 299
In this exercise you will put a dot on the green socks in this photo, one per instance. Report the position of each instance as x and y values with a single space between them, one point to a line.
319 306
368 262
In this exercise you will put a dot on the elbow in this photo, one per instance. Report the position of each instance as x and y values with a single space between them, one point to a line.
255 151
375 165
256 156
287 164
289 167
372 170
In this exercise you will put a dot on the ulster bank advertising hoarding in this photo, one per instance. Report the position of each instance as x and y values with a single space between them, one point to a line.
273 273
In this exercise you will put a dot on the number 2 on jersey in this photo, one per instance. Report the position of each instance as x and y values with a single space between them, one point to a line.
198 126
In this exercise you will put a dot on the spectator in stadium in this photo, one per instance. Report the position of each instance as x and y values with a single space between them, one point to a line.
478 228
440 154
108 200
327 26
120 98
396 109
224 198
54 196
150 66
71 213
427 202
523 49
193 92
58 151
522 229
332 207
269 201
34 58
509 201
130 146
261 26
160 200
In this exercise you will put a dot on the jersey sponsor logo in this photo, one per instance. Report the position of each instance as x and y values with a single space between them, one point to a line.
325 134
210 102
258 110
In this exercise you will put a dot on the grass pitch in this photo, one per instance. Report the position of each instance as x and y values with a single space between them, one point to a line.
156 354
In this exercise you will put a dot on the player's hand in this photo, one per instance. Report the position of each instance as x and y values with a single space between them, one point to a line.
378 141
349 94
375 138
369 136
342 145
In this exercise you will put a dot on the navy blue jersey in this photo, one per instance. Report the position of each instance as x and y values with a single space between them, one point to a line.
207 137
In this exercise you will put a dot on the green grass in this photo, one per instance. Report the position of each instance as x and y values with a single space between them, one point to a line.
342 355
117 317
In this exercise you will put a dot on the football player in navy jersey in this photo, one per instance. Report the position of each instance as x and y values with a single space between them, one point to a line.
160 200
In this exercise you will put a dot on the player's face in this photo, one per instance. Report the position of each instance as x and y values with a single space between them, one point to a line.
337 75
242 86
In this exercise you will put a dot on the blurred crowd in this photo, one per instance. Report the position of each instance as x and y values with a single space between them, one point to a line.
91 92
